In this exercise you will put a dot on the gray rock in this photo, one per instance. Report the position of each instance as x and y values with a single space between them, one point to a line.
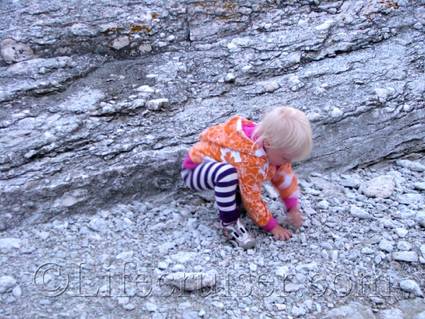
420 218
407 256
381 187
359 213
191 281
411 286
151 307
155 105
391 314
7 283
420 315
420 186
404 245
7 244
386 245
412 165
353 310
120 43
12 51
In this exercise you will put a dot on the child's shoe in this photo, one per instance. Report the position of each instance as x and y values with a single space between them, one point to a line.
238 235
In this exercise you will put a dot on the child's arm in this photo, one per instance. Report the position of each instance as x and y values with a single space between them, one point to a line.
286 184
250 184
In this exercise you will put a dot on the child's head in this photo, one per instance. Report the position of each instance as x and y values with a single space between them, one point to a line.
285 133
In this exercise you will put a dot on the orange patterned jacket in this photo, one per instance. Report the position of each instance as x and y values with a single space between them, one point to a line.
227 142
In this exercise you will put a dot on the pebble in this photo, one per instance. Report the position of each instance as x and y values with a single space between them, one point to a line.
391 314
12 51
17 291
191 281
407 256
6 283
183 257
359 213
413 166
404 245
420 218
120 42
230 77
323 204
401 232
282 271
386 245
9 243
156 104
97 224
381 187
411 286
420 186
151 307
126 255
298 311
269 86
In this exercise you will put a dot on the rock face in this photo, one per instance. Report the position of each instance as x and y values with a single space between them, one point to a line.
76 134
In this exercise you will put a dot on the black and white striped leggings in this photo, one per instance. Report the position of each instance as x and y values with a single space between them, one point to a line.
223 178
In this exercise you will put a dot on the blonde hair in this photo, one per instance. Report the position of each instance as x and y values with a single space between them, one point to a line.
288 129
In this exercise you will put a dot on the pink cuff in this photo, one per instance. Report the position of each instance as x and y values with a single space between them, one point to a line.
290 202
270 225
188 163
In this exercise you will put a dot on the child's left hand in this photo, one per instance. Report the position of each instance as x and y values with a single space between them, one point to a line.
295 217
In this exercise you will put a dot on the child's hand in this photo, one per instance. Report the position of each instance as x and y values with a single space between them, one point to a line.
281 233
295 217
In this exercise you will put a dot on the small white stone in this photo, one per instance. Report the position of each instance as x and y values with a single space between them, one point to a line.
323 204
336 112
282 271
230 77
97 224
151 307
420 186
145 48
253 267
183 257
386 245
367 251
162 265
325 25
145 89
381 187
156 104
120 42
404 245
359 213
270 86
298 311
407 256
6 283
126 255
420 218
191 281
17 291
401 232
9 243
411 286
413 166
391 314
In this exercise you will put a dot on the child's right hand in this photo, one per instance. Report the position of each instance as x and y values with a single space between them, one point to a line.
281 233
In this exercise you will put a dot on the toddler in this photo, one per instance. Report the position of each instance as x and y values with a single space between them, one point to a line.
235 158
